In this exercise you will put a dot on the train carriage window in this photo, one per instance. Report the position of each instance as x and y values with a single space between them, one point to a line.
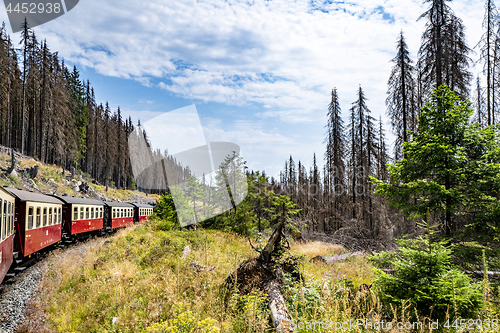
75 213
81 213
100 209
8 232
1 224
114 212
50 216
92 212
38 217
44 217
4 219
87 216
30 218
9 220
59 220
11 217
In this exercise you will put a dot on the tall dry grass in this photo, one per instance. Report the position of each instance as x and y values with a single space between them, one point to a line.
138 281
313 249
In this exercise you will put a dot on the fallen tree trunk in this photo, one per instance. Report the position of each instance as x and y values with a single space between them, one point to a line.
265 273
279 312
330 260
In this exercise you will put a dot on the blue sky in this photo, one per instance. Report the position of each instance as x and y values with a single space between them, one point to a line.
259 72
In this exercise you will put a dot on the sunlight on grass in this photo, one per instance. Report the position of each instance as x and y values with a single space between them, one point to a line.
139 281
312 249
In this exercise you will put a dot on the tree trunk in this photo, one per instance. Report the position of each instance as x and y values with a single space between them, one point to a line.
279 312
13 162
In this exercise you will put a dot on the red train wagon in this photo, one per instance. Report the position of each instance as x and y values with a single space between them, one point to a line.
38 222
7 206
81 215
142 211
119 214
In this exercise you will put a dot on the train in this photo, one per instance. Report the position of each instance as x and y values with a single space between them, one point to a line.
31 222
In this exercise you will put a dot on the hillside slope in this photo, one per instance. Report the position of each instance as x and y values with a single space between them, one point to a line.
52 179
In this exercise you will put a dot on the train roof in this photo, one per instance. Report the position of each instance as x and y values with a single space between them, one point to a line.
118 204
142 205
7 192
81 201
32 196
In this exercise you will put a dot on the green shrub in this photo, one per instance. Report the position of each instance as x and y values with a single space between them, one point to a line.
165 213
425 277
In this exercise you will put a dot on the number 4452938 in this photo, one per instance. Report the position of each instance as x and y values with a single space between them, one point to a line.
472 324
35 8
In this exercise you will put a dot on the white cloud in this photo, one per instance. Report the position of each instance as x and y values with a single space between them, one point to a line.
285 55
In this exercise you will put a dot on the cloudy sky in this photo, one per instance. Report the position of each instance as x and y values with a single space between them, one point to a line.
259 72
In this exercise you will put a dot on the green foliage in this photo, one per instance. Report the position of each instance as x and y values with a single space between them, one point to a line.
79 110
468 255
259 210
425 277
450 166
185 322
302 297
166 213
194 192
